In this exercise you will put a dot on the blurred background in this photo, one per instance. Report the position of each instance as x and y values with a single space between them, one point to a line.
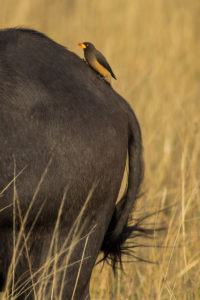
153 48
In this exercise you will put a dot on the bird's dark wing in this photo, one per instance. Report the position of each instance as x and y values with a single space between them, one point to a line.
102 60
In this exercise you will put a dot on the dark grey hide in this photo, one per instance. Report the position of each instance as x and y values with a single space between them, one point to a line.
64 139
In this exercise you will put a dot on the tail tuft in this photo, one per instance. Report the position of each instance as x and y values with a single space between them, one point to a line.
115 247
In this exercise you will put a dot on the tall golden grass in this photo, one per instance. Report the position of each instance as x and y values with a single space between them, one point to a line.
153 48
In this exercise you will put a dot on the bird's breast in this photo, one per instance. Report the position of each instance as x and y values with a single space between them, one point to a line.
92 61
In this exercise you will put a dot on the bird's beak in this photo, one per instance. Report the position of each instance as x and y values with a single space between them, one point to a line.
82 45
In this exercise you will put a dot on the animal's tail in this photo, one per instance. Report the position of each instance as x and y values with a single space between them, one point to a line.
119 230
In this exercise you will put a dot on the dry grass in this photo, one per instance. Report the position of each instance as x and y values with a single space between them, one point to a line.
153 48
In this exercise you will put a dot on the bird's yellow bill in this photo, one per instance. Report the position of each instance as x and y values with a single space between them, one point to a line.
82 45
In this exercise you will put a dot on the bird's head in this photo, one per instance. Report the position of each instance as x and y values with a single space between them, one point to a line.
86 46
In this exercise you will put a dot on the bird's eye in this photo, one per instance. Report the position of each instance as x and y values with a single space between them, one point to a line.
87 45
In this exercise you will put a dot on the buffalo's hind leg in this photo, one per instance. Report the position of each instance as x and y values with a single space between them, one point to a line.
5 254
18 266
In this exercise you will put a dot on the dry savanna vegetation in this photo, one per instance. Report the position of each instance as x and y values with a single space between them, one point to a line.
153 48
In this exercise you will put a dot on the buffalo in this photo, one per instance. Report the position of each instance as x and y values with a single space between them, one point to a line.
65 137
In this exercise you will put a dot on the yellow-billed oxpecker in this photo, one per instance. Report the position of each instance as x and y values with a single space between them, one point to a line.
97 61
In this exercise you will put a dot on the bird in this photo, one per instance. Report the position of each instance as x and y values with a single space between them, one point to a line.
97 61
